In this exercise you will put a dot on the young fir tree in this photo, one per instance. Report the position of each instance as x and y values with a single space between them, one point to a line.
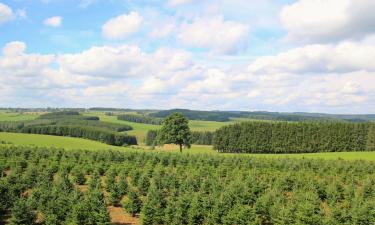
115 195
133 203
152 210
78 176
22 213
97 208
143 184
123 185
175 130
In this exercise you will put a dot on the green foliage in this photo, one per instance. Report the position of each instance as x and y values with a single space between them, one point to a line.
78 176
153 206
67 123
370 145
151 138
22 213
195 115
283 137
133 203
201 137
188 188
140 119
175 130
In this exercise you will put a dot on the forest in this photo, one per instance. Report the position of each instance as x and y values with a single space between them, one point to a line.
197 138
140 119
295 137
54 186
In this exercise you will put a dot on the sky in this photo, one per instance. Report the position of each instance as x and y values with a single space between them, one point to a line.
271 55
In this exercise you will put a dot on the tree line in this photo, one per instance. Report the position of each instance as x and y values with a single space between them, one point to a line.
92 133
196 138
140 119
296 137
166 188
75 125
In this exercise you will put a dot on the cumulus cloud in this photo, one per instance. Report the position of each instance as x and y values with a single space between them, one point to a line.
311 78
6 13
122 26
328 20
54 21
342 57
216 34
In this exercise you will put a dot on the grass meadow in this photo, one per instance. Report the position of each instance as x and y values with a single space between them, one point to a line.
140 130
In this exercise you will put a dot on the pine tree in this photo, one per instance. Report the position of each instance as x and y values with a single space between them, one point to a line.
152 210
196 211
370 143
143 184
133 203
123 185
115 195
22 213
97 208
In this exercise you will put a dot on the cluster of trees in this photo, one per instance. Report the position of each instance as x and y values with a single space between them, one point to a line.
166 188
264 115
68 123
92 133
202 137
196 115
197 138
298 137
140 119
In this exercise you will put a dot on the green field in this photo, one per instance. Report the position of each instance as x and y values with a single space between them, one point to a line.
54 141
78 143
13 116
140 129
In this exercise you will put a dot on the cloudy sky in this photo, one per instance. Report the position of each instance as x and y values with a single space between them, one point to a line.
275 55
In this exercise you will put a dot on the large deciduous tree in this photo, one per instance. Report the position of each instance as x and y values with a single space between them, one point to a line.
175 130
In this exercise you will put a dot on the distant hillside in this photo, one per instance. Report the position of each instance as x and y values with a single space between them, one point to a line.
263 115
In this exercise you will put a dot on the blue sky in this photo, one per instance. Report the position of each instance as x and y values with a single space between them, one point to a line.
292 55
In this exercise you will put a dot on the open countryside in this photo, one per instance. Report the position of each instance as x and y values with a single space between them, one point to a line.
186 112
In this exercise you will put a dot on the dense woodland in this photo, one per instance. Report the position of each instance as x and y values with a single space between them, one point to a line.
75 187
197 138
263 115
140 119
74 125
297 137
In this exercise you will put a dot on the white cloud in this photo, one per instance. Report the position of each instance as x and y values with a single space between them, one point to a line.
179 2
328 20
6 13
122 26
54 21
218 35
14 48
342 57
313 78
105 61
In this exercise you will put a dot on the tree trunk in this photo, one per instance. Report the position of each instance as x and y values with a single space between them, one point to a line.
180 148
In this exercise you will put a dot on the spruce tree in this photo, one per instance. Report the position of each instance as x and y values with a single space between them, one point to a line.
133 203
22 213
153 206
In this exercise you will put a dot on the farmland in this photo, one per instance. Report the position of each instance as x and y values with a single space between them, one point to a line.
49 179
